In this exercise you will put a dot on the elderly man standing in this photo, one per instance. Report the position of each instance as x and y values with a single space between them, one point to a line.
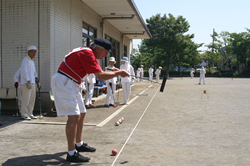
28 86
141 73
111 85
90 84
202 75
150 73
127 81
67 94
158 73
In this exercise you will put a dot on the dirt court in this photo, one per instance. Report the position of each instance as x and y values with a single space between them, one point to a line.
181 126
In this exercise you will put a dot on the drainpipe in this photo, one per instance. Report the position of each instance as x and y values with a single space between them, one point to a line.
38 43
1 44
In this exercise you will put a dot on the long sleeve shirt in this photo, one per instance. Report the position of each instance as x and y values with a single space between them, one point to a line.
130 71
28 70
91 78
158 72
112 80
151 71
17 77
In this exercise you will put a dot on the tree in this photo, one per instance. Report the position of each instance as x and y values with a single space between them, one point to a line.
168 37
241 45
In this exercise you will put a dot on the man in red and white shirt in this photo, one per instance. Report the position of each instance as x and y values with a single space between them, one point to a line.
66 88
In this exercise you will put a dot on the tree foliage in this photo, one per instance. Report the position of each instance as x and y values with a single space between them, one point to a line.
169 42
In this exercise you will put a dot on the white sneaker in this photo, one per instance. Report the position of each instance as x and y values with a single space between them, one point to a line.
27 118
126 103
33 117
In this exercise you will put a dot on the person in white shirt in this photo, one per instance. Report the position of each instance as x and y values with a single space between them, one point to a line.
141 73
150 73
28 86
91 80
111 85
127 81
192 73
202 75
158 73
17 80
138 73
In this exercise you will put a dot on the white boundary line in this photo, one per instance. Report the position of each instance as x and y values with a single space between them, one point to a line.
119 110
134 128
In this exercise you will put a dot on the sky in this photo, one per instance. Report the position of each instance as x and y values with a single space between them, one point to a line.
203 16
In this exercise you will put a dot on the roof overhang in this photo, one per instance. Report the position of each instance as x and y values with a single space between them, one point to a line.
123 15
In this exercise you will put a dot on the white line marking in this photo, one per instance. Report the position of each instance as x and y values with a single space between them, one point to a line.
134 127
119 110
55 123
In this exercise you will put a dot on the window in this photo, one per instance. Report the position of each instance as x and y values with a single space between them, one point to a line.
115 51
125 50
88 34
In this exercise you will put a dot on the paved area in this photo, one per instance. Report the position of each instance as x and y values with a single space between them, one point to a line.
181 126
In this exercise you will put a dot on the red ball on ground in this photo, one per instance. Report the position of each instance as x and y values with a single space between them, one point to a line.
114 151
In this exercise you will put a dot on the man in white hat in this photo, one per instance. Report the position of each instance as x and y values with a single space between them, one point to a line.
28 86
150 73
138 74
158 73
127 81
141 73
90 84
202 75
192 73
111 85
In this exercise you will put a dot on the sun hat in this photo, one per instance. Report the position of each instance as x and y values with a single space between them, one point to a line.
125 59
112 59
32 48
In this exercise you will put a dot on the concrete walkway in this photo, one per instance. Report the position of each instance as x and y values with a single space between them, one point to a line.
181 126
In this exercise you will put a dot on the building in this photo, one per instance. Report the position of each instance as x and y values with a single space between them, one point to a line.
58 26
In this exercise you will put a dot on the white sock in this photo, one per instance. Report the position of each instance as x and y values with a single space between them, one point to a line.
72 152
79 144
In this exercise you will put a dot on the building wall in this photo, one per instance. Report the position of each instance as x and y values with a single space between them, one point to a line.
54 27
0 43
20 22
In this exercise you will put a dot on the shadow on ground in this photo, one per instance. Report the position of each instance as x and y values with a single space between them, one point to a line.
39 160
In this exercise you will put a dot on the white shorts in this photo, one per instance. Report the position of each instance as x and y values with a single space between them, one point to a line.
67 96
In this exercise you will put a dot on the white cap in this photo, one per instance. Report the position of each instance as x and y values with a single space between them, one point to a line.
160 67
112 59
32 48
141 65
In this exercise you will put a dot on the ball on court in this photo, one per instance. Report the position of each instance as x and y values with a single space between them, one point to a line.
117 123
114 151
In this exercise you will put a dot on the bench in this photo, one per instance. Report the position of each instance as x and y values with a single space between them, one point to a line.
7 94
98 90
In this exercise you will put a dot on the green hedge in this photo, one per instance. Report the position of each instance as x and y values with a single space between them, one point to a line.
244 73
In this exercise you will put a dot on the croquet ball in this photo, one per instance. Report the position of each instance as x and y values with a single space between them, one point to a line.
117 123
114 151
120 121
122 118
